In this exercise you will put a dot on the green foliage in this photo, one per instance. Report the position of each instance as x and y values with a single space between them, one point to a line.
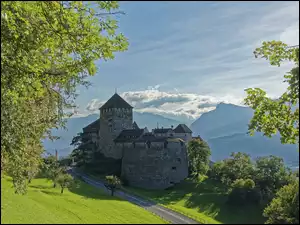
52 169
47 50
239 166
64 180
84 149
272 116
270 175
112 182
284 208
66 161
198 154
243 192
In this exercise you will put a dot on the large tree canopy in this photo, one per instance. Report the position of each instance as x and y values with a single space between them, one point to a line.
280 115
47 50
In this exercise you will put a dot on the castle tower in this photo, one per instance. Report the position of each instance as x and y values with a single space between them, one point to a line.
115 116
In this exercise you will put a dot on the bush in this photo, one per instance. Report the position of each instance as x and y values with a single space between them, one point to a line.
64 180
284 208
112 182
243 192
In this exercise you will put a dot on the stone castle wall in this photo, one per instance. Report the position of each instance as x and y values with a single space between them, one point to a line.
112 122
157 167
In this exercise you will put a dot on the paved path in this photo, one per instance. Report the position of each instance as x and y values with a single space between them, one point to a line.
165 213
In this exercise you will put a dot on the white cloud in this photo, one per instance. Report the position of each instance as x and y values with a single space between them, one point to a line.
175 105
202 57
94 105
290 35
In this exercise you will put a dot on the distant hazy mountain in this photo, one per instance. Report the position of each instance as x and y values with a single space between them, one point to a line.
75 125
225 131
226 119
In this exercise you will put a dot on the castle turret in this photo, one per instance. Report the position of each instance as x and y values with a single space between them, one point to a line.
116 115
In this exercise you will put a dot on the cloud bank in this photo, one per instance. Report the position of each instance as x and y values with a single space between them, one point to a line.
174 105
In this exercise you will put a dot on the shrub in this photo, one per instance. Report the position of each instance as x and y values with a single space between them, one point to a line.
64 180
243 191
112 182
284 208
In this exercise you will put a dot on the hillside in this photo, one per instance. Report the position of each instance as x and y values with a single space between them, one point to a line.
256 146
84 205
225 130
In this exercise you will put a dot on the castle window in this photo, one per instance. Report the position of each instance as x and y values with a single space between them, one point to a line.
179 160
133 144
181 143
174 168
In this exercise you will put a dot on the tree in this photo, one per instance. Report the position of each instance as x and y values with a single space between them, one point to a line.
47 50
52 169
84 149
216 171
198 154
279 115
284 208
64 180
239 166
112 183
243 192
270 175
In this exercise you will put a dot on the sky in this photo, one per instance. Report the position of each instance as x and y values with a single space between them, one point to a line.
186 57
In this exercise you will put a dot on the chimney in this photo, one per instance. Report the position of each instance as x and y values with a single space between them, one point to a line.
56 155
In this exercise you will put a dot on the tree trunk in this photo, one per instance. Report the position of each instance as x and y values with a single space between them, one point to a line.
62 190
54 185
29 180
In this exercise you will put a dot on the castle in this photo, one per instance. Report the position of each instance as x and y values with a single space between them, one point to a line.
151 160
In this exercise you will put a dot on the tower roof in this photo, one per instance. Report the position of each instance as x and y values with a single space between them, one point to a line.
135 126
94 126
116 101
182 128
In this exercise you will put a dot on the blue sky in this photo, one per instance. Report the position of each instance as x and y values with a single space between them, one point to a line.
185 57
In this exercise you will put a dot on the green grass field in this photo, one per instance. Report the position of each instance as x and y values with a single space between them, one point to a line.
204 201
82 204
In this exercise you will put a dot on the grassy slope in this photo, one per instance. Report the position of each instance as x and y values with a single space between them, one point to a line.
205 202
84 204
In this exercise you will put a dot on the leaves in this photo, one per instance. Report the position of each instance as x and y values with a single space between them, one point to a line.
47 50
198 154
284 208
280 115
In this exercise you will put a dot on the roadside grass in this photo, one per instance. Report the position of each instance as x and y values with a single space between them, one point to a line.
78 205
204 201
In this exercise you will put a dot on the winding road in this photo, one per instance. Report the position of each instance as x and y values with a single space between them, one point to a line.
165 213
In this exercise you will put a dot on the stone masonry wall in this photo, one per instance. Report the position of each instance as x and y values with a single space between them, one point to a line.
112 122
157 167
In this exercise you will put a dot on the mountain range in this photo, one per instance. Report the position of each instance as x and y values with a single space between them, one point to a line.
224 128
